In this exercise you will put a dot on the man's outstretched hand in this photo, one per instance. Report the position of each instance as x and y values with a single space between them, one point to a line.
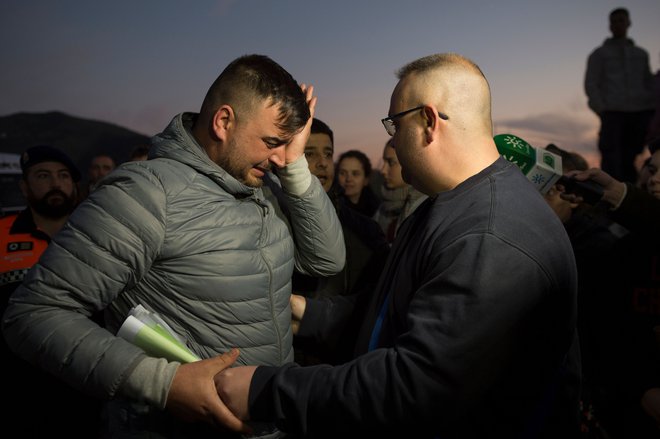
613 190
193 395
298 304
233 387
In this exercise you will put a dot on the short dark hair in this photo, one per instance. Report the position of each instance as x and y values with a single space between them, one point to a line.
622 11
104 154
139 151
320 127
253 78
359 155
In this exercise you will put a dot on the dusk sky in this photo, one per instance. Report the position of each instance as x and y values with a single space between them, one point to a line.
138 63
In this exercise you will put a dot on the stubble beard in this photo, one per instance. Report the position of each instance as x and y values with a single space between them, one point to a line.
231 164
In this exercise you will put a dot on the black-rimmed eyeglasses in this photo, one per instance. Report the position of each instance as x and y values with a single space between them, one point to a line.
388 122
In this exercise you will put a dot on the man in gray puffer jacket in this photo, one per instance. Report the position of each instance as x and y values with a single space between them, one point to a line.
190 235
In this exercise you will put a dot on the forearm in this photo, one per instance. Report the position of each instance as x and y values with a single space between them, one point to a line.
296 177
324 319
370 395
320 249
67 344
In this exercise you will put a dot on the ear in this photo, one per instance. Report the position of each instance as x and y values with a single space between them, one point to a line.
223 120
432 122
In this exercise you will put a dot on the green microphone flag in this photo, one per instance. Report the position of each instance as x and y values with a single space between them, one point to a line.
541 167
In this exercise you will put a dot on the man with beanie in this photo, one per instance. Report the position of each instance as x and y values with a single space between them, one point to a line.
49 187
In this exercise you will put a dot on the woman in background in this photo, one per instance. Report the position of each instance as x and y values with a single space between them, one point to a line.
353 172
399 199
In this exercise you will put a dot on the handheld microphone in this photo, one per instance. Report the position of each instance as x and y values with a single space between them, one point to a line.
544 168
591 192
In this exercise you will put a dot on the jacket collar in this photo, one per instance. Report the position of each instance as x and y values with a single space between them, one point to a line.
24 223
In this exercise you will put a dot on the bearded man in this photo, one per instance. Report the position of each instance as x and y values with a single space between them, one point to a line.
49 187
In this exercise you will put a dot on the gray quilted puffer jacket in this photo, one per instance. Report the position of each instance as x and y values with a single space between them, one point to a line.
180 236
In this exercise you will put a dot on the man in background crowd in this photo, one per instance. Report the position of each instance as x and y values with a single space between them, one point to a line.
49 186
619 85
100 166
139 153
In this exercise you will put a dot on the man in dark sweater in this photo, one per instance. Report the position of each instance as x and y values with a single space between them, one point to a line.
471 331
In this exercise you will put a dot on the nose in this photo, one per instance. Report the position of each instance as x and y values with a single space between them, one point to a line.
55 182
655 177
278 156
383 169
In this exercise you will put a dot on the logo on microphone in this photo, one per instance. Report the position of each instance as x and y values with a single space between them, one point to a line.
537 179
517 151
549 159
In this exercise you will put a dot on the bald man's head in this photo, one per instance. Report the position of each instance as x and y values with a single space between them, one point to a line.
454 84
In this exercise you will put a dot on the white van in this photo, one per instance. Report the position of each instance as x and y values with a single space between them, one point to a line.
11 198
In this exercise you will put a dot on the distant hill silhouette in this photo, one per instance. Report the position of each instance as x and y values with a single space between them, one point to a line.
82 139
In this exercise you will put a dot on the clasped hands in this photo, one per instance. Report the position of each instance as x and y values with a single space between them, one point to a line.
214 392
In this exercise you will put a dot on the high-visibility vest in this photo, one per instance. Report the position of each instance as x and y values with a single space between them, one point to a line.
18 252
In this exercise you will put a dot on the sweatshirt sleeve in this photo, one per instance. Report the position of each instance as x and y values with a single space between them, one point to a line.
316 230
327 323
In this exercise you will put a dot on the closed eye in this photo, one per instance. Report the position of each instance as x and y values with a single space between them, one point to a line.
274 142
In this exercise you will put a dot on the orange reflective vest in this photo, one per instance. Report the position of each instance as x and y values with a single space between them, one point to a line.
19 249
